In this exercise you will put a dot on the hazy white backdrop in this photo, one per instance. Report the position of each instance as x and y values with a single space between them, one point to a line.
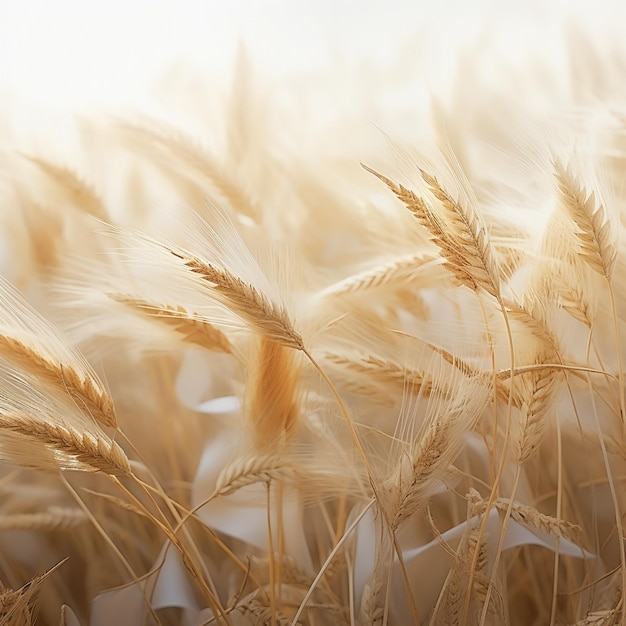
81 52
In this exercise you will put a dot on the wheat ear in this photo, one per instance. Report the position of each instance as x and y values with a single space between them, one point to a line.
263 315
261 613
55 518
193 157
536 406
190 326
461 239
595 239
15 609
383 371
428 459
527 515
252 469
449 604
381 275
71 449
81 192
87 394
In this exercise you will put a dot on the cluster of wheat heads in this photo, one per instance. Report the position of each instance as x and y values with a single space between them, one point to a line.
239 385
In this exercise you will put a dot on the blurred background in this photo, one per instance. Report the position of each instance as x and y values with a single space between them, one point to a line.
81 53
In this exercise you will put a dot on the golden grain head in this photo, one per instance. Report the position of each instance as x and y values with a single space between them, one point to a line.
245 381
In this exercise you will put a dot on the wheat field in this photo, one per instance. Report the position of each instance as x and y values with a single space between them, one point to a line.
263 362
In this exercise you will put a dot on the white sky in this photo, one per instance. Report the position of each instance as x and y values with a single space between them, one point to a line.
64 51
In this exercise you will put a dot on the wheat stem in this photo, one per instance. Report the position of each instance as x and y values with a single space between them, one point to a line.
329 559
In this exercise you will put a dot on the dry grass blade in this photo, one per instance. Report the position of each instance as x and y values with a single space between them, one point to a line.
70 448
264 316
83 389
594 234
189 325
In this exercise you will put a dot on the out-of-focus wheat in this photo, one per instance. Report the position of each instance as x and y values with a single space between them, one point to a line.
310 397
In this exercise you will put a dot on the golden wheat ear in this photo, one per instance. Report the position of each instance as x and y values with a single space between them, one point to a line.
182 157
32 345
51 401
72 186
215 274
456 230
594 234
16 605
